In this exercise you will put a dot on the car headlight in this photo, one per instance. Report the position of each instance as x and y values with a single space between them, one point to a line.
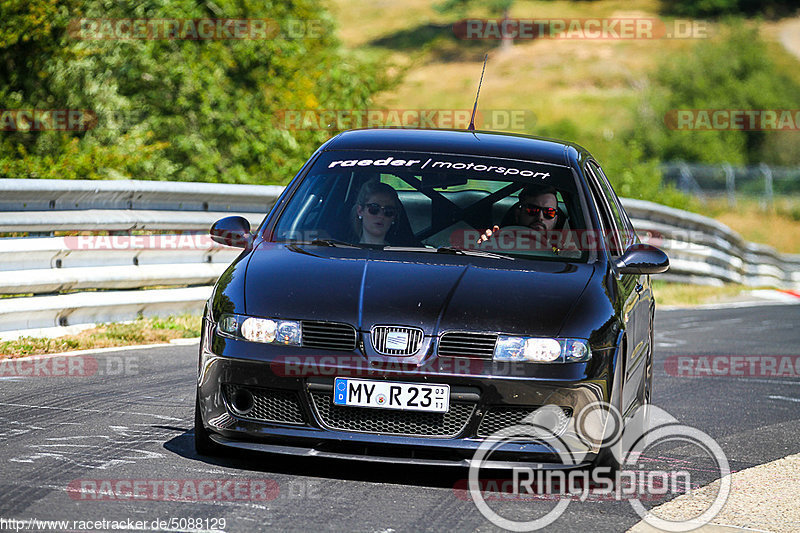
265 330
540 350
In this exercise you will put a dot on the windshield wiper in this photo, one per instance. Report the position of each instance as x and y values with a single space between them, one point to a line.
332 242
408 249
476 253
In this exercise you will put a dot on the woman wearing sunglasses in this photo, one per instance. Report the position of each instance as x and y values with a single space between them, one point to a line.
376 212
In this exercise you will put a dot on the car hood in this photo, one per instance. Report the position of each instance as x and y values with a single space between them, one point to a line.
433 291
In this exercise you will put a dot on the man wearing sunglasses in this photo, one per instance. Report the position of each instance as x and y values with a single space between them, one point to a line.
537 209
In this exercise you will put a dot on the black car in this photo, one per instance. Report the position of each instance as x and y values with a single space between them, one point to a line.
372 315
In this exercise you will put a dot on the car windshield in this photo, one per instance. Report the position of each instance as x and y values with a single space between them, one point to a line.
442 202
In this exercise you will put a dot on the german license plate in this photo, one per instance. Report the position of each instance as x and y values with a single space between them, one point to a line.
391 395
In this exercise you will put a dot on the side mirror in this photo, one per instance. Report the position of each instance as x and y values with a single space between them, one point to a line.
231 231
642 259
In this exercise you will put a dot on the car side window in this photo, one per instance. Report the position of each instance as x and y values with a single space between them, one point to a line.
612 227
627 233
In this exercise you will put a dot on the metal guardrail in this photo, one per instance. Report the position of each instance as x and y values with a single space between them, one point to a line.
119 275
116 273
704 251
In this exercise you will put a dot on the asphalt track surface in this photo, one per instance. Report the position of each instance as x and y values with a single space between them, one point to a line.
132 420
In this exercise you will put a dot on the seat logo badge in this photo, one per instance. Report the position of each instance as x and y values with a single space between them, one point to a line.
397 340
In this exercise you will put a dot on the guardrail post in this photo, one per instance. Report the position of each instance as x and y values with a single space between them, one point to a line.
688 183
767 183
730 184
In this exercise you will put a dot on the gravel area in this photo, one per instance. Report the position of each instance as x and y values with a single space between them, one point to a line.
762 498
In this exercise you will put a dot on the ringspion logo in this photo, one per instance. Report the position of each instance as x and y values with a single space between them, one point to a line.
529 485
647 429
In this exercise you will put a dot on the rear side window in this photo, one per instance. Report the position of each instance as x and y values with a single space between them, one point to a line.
627 233
613 227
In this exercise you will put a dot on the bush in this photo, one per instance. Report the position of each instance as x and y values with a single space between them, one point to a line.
733 71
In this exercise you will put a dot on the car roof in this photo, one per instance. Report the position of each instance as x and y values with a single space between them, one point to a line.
477 143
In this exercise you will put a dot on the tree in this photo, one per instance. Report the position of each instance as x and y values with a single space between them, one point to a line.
195 110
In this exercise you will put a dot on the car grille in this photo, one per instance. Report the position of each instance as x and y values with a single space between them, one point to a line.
270 405
329 336
497 418
389 422
379 335
464 344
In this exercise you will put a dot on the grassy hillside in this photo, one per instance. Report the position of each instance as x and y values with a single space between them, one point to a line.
595 84
597 81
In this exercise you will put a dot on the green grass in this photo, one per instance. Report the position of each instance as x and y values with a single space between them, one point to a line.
687 295
140 331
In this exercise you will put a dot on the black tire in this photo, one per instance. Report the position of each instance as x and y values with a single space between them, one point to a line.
610 451
609 454
647 393
607 458
203 444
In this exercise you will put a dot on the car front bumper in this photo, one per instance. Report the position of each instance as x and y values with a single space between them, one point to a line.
293 412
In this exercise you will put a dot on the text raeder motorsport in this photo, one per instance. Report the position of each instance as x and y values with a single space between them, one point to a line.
391 161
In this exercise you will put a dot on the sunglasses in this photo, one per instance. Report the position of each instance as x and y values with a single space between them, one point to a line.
533 210
374 209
